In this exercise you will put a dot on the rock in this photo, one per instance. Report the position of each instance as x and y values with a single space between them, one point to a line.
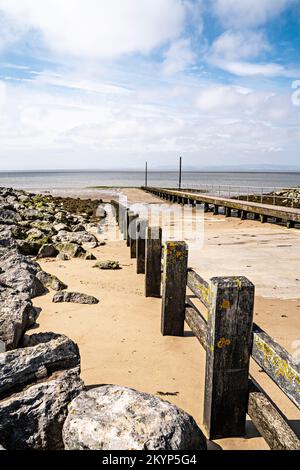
1 447
31 214
107 265
61 228
118 418
71 249
43 354
33 419
22 280
77 237
78 228
28 248
75 297
13 259
63 256
50 281
16 315
89 256
47 251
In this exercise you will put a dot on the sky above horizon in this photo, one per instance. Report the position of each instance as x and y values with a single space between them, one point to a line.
112 83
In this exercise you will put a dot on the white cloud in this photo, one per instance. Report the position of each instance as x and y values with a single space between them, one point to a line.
178 57
248 13
232 45
229 98
249 69
93 28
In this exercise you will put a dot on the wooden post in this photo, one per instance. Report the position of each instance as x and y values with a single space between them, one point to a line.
128 219
206 207
263 219
153 262
227 212
141 246
227 361
174 288
244 215
290 224
216 209
132 234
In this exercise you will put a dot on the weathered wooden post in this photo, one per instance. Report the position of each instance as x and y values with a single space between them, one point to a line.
129 213
227 212
216 209
132 234
175 256
141 246
153 261
229 337
206 207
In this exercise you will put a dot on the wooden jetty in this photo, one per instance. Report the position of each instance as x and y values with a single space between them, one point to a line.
229 337
263 212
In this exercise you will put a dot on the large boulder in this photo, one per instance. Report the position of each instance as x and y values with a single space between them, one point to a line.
119 418
81 238
33 418
16 315
74 297
48 251
51 281
13 259
22 280
72 250
43 354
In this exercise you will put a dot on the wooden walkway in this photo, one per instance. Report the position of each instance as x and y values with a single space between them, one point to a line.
288 215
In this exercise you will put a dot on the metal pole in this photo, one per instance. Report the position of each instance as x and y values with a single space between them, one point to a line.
180 172
146 175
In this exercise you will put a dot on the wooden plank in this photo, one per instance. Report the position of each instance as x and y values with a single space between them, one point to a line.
269 421
153 261
141 246
265 415
283 369
199 287
228 355
174 288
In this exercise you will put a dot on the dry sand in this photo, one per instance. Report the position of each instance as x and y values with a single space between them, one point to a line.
120 340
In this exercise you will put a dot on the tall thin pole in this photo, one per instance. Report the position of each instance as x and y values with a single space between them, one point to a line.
180 172
146 175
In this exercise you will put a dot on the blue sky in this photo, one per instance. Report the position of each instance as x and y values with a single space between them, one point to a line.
111 83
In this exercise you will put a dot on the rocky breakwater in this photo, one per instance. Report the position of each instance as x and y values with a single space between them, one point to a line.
43 402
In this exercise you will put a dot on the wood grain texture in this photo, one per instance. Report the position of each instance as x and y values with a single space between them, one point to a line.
153 262
174 288
228 355
141 246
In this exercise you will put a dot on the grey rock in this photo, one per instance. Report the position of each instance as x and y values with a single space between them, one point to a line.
89 256
73 250
77 237
48 251
63 256
61 227
74 297
16 315
106 265
33 418
118 418
28 248
22 280
13 259
78 228
50 281
43 354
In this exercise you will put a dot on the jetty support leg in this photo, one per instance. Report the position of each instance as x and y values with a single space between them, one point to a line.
141 246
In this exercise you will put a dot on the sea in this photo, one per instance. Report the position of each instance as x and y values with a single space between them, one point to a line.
81 181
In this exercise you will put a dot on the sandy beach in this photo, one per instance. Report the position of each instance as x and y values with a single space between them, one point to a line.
120 340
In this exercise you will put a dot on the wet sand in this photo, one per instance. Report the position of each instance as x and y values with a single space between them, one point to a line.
120 340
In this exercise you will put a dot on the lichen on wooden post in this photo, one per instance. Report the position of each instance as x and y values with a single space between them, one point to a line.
227 361
153 262
175 255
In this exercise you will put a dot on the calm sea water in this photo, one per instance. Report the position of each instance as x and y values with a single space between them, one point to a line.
40 181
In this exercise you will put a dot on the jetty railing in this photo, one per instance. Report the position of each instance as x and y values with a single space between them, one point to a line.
243 209
229 336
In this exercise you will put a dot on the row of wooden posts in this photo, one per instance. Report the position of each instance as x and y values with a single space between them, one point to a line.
229 336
